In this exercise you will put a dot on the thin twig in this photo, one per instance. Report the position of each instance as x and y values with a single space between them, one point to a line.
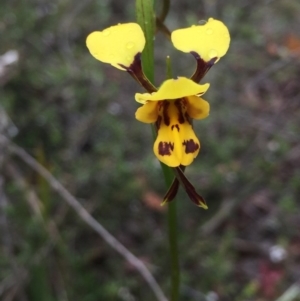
165 10
31 197
88 219
34 202
4 224
225 210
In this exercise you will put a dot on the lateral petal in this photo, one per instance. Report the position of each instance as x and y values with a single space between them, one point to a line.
147 113
197 107
209 40
117 45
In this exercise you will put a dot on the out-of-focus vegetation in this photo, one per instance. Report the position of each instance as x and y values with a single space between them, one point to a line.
76 117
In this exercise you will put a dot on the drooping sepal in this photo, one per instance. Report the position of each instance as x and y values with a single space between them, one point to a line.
190 189
171 193
148 113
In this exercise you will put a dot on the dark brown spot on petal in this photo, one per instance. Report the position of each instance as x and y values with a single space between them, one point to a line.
158 122
176 126
166 117
188 118
184 102
165 148
160 104
190 146
178 105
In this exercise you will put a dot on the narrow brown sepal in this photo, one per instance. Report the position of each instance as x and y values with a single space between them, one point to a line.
190 190
197 198
136 71
171 193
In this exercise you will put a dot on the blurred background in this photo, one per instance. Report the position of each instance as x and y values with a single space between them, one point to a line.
75 116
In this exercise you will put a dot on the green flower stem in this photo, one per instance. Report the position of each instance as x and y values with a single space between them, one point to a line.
146 19
172 231
172 223
173 241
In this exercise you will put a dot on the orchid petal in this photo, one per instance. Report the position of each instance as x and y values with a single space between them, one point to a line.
117 45
208 41
173 89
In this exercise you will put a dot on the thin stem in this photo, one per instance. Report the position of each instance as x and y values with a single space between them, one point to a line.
165 10
175 272
161 18
172 224
172 229
160 26
145 17
172 236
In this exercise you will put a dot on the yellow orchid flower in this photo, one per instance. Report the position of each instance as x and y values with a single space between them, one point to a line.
172 107
177 101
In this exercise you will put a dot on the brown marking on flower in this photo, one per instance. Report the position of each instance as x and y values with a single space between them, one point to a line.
188 118
136 71
166 117
175 126
178 105
165 148
158 122
190 146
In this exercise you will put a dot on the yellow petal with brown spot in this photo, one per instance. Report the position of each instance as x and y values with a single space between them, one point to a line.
117 45
209 40
176 143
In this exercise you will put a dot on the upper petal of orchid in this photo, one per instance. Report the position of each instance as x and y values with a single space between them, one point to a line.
209 40
117 45
173 89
